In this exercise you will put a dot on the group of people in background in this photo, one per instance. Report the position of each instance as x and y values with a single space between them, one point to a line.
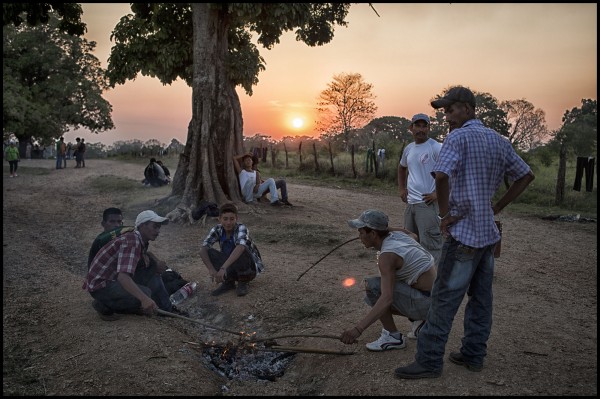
63 152
156 174
425 269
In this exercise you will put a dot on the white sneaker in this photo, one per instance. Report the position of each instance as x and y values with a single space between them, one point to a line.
386 342
415 329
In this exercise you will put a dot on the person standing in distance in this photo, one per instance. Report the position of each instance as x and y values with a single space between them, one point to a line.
471 167
417 186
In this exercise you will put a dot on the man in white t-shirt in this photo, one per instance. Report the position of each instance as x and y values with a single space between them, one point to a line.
250 182
417 186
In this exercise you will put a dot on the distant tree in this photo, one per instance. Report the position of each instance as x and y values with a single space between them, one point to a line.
438 128
527 124
152 147
35 14
346 105
578 134
209 46
52 83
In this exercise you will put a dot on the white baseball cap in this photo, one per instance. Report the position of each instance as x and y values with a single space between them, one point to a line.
149 216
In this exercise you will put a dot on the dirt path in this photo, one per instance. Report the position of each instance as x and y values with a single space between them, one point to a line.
544 339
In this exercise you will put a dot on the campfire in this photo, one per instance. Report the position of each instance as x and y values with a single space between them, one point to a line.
250 357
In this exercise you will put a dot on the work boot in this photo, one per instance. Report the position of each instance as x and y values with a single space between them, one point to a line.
242 288
104 311
224 287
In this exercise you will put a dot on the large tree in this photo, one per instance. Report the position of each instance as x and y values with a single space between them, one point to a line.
345 105
209 46
527 124
52 81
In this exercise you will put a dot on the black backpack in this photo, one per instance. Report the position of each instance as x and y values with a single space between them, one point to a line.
205 208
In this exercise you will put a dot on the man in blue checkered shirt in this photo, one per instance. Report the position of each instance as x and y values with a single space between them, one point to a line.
471 166
238 260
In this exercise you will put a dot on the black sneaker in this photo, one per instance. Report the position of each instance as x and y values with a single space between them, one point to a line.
224 287
286 202
458 358
277 203
242 288
104 311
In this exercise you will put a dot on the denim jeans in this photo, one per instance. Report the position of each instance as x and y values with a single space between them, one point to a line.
243 269
250 195
282 185
59 161
462 269
119 300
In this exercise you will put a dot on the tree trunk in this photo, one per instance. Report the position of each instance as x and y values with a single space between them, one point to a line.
286 155
205 169
315 155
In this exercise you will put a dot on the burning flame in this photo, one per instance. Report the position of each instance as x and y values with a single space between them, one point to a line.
349 282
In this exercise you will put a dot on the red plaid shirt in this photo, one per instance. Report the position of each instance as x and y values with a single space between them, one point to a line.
121 255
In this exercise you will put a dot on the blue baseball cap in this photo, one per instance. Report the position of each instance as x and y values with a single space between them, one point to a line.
420 117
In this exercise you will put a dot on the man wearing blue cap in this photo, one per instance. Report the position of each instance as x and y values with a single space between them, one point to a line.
417 186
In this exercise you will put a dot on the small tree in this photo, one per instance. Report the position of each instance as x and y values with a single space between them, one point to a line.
346 105
527 124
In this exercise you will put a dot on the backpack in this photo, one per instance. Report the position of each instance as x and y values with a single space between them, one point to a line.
205 208
172 280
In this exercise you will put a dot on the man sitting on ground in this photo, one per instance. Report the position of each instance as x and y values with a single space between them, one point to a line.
239 259
112 222
279 183
250 183
121 277
154 175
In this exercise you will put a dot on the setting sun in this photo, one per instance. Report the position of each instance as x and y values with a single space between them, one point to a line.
298 123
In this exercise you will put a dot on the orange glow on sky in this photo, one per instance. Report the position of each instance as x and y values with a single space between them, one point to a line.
545 53
349 282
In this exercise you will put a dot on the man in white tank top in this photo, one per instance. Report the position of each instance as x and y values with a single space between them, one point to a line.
407 272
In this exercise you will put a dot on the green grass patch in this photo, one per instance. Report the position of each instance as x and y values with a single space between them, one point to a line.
111 183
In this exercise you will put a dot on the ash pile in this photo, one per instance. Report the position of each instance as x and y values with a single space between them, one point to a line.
246 363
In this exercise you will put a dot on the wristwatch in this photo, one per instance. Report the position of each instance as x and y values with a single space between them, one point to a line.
443 217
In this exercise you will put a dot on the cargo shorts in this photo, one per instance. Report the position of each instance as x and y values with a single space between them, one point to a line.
408 301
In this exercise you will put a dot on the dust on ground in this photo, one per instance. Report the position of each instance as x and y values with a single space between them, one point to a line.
543 341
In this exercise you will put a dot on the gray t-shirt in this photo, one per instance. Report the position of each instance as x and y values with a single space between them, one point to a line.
416 259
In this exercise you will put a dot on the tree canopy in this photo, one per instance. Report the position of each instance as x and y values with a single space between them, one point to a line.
52 83
209 46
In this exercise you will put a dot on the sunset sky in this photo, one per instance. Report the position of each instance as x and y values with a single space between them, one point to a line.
543 53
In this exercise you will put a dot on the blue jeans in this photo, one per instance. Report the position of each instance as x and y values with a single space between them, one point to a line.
59 161
269 184
119 300
462 269
243 269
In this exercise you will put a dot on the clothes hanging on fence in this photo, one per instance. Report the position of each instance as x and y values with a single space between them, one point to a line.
584 164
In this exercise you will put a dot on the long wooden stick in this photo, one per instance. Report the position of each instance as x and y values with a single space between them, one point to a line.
165 313
314 264
254 339
278 348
